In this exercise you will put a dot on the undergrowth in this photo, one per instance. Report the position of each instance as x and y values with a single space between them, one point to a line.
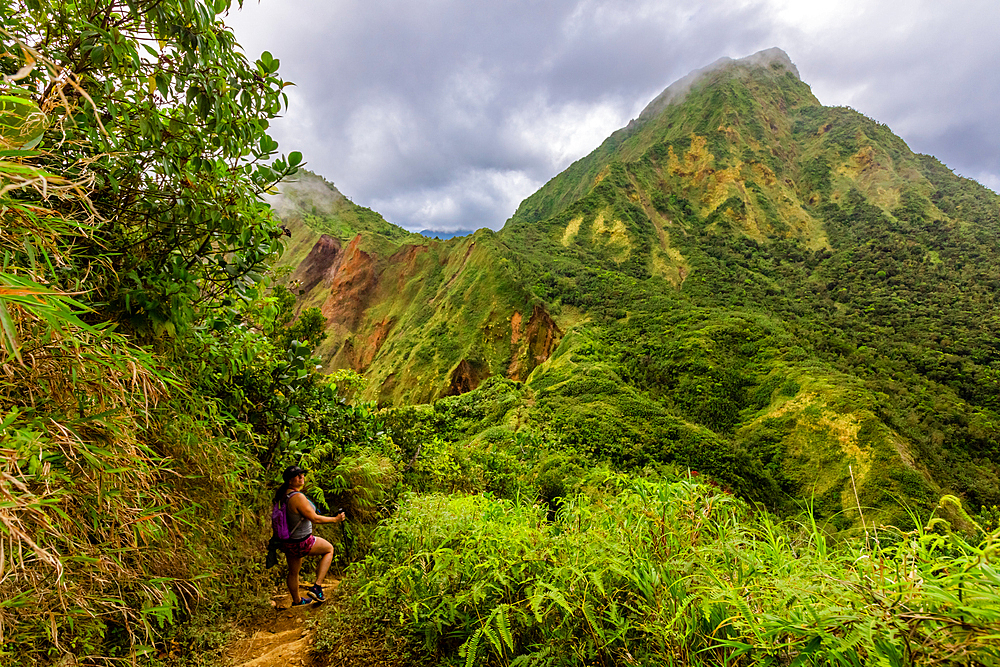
664 573
134 333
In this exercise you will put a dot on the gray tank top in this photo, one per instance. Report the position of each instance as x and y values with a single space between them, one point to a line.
299 527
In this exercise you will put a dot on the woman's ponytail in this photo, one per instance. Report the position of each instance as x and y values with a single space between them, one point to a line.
282 492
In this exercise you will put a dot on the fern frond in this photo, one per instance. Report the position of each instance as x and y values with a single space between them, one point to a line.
503 626
595 627
472 648
536 600
486 630
595 578
556 595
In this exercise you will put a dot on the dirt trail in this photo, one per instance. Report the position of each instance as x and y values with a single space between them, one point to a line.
282 639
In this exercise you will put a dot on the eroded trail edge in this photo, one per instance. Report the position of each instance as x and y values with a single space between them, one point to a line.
283 638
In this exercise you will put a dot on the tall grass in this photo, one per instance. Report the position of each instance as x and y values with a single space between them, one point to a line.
671 574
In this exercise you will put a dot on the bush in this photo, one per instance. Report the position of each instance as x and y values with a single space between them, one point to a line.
669 573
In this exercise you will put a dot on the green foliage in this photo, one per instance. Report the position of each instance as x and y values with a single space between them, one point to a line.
283 327
134 143
155 115
771 353
797 345
816 175
668 573
771 259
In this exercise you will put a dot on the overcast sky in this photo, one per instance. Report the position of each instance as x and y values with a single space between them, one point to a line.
445 114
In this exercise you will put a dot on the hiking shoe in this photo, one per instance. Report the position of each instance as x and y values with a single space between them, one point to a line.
316 592
302 602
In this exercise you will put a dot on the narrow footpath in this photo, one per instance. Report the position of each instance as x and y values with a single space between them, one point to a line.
283 639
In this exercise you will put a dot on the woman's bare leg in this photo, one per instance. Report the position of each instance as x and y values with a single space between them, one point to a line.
324 549
292 581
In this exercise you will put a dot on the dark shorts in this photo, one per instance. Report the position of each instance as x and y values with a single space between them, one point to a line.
298 549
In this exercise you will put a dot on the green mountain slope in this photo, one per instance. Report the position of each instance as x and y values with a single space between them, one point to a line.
421 318
742 282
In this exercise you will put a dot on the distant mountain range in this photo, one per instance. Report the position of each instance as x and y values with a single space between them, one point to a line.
444 236
741 281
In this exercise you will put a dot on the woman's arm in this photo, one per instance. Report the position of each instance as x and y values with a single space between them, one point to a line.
301 504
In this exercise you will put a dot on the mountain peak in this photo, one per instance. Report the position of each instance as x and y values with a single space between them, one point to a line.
306 188
678 90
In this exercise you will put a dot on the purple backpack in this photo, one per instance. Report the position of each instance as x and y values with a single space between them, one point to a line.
279 519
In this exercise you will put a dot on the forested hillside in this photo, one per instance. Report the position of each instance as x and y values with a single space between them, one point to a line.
742 281
667 415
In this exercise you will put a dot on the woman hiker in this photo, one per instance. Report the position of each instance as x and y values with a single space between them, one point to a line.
301 515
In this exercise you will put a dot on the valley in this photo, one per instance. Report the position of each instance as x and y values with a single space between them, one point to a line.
740 268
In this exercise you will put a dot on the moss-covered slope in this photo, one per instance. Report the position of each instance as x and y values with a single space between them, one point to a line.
420 318
741 280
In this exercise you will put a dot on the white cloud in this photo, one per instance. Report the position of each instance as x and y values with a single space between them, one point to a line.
814 17
559 134
469 201
990 180
467 95
381 133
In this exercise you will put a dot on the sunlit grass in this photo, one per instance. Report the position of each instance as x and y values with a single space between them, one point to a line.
672 573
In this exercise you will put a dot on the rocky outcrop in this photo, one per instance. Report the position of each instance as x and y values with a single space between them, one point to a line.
466 377
379 333
531 344
319 264
405 262
374 303
352 281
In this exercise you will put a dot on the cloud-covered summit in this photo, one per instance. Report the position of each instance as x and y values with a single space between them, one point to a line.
675 92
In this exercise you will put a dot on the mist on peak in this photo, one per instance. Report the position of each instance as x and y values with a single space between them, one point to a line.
678 90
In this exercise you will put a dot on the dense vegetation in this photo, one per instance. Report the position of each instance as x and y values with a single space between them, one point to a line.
771 291
149 382
692 463
662 573
753 289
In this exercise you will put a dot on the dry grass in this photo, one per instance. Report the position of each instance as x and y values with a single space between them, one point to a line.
89 521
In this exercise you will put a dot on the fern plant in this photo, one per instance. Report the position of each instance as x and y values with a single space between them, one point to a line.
680 573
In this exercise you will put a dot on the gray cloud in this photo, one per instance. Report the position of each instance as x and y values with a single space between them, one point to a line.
446 113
